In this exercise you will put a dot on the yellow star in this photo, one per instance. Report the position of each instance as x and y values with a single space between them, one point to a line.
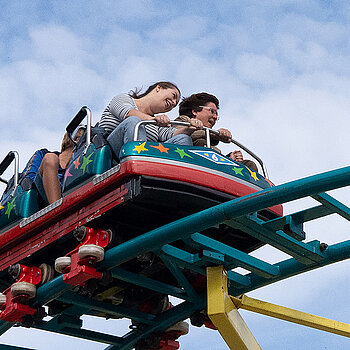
253 175
206 154
1 206
161 148
140 148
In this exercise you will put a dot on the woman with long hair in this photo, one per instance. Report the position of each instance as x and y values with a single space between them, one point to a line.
126 110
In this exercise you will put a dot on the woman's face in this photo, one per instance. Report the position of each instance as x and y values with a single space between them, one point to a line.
207 115
166 99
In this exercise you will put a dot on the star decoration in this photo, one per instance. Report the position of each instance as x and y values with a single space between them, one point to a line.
76 163
10 206
182 153
140 148
272 185
86 161
253 175
238 171
67 174
1 207
161 148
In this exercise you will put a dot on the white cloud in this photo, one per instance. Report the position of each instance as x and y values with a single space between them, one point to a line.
56 43
183 29
282 80
260 70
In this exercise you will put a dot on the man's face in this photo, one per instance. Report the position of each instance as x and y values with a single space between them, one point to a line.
208 115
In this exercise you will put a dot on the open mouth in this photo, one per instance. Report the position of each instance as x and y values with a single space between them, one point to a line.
168 104
211 122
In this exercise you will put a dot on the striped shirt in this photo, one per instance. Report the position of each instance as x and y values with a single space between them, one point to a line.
116 112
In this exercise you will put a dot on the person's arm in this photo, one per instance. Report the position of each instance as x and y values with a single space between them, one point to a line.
161 119
236 155
224 135
195 124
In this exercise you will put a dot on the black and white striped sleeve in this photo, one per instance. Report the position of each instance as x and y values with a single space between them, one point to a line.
165 134
116 111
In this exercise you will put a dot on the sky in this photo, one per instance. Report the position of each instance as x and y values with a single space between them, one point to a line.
280 70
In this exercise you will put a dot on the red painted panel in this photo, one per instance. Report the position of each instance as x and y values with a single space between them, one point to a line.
90 201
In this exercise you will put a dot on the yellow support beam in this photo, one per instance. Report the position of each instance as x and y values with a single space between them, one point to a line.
224 314
291 315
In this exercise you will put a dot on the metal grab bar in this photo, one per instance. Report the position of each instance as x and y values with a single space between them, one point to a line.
207 132
12 155
253 155
84 112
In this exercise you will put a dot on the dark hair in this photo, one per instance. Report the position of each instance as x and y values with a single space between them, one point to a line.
163 84
194 101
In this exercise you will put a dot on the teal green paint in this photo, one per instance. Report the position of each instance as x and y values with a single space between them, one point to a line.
184 155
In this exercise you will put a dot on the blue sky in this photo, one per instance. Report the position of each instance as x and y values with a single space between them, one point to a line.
280 69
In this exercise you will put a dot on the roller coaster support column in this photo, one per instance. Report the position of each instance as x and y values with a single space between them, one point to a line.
224 314
222 310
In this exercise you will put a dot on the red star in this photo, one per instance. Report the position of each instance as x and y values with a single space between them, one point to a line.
161 148
76 164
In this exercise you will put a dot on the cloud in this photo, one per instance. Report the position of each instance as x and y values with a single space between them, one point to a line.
183 29
279 68
260 70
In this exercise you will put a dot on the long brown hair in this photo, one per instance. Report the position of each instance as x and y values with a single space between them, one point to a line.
163 84
67 142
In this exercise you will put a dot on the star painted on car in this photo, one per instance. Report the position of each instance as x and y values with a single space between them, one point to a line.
182 153
253 175
161 148
10 206
86 161
76 163
67 174
140 148
238 171
272 184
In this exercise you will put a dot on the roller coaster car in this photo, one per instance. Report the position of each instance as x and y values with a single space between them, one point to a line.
106 202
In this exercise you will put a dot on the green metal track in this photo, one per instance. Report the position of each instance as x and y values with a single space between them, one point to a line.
285 234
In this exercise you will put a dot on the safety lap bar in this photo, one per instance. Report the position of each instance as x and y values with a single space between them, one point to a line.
207 133
12 155
84 112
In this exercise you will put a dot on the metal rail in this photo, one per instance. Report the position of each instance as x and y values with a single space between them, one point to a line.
12 155
208 131
84 112
308 256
